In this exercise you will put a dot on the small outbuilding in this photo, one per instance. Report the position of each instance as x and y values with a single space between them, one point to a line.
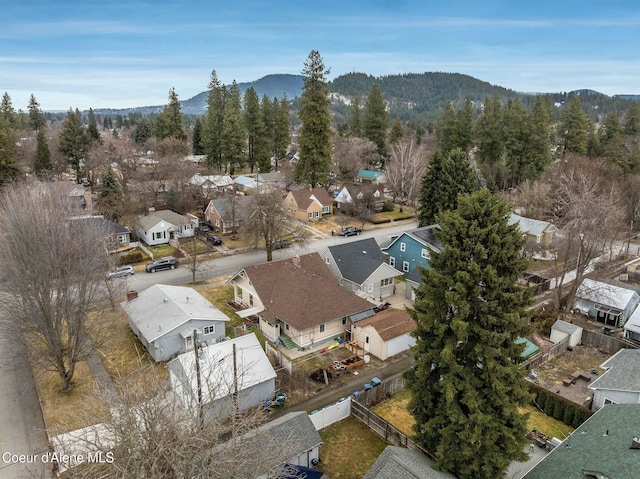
606 303
562 330
386 334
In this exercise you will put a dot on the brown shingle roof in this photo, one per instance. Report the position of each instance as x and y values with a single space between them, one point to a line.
303 197
302 295
390 323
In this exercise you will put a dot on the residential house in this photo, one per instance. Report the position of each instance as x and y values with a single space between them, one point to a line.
228 213
275 180
211 184
74 192
361 266
370 176
297 300
537 231
232 373
399 462
386 334
604 446
562 330
606 303
308 204
164 317
159 227
620 383
632 327
411 249
352 197
118 237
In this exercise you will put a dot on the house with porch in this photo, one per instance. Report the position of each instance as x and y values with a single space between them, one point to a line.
386 334
368 196
164 317
308 204
227 214
410 249
606 303
160 227
297 301
361 266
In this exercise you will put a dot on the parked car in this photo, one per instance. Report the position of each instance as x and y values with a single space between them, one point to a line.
168 262
121 271
281 244
204 229
214 240
350 231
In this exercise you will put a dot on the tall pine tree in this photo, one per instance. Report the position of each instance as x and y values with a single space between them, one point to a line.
42 166
315 135
376 120
110 196
575 128
8 151
212 128
466 385
253 125
169 122
233 133
74 141
37 119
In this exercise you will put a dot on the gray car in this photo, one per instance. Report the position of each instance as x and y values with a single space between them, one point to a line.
168 262
121 271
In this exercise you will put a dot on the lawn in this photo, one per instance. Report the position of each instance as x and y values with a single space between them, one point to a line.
546 424
162 250
220 296
348 449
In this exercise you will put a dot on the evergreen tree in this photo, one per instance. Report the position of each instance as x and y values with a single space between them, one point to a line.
42 166
448 175
196 140
575 128
92 128
516 140
464 126
7 110
540 137
212 128
169 122
355 116
446 130
37 119
282 130
397 132
233 136
466 385
632 120
315 135
142 132
268 111
8 151
253 125
489 137
110 196
613 142
376 120
74 141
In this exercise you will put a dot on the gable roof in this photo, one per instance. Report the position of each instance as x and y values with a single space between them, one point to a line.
424 235
600 447
633 324
530 226
294 424
305 197
400 463
390 323
358 260
623 372
217 369
564 327
161 308
223 207
168 216
301 291
111 227
604 293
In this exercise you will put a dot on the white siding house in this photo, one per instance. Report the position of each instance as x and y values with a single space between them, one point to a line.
620 383
385 334
162 226
562 330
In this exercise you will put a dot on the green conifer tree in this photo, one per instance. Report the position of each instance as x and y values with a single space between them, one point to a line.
74 141
376 120
8 151
110 196
42 166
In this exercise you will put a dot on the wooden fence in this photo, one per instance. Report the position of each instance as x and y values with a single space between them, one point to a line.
611 344
541 358
382 392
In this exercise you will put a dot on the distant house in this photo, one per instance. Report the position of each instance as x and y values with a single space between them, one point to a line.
228 213
385 334
411 249
308 204
632 327
159 227
297 300
536 230
605 446
401 463
118 236
606 303
351 197
361 266
164 317
369 176
620 383
211 184
252 376
562 330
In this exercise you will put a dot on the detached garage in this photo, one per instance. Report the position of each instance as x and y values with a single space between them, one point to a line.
562 330
386 334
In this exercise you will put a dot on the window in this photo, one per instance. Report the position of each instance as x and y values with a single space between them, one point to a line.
317 214
209 330
328 261
325 210
217 223
370 288
158 235
424 253
392 261
322 328
366 339
405 266
403 247
344 320
310 214
386 282
250 300
286 326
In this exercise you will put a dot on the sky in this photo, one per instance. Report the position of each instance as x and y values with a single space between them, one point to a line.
119 54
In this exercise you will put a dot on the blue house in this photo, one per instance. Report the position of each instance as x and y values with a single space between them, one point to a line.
409 250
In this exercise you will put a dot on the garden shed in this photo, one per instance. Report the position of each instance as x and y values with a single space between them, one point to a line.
562 330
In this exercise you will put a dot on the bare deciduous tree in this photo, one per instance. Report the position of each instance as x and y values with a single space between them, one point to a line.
267 220
405 168
350 154
54 270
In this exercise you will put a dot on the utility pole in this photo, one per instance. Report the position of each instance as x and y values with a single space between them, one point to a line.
235 379
196 349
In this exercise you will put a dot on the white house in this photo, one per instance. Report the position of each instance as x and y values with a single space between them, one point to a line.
234 370
164 317
386 334
159 227
606 303
562 330
620 383
632 327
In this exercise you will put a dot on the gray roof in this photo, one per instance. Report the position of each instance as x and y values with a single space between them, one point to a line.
161 308
623 372
600 446
604 293
530 226
400 463
425 235
296 425
171 217
565 327
359 259
223 207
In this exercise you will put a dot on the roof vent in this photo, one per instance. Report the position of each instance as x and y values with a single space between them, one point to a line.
364 252
166 300
635 443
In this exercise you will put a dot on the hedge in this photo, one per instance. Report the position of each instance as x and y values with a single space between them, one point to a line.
132 257
558 407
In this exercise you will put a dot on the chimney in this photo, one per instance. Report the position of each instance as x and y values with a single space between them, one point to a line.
131 295
152 210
